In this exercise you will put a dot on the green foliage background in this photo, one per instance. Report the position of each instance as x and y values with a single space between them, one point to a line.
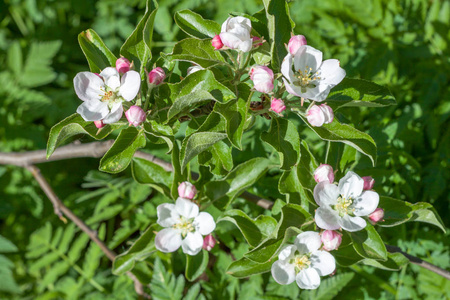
402 44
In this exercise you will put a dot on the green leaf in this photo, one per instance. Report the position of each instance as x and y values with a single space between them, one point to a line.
359 92
397 212
14 58
197 143
200 52
120 154
337 132
162 131
74 125
245 267
394 262
283 137
222 192
97 54
147 172
178 176
164 285
218 158
143 247
196 265
346 256
6 246
194 24
368 243
328 288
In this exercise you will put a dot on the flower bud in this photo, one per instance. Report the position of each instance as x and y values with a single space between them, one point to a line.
277 105
135 115
209 242
315 116
156 76
256 41
187 190
235 34
328 113
324 172
377 215
331 240
368 182
262 78
99 124
295 43
217 42
123 65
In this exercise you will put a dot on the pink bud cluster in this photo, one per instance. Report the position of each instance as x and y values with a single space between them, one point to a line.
277 105
331 240
368 182
123 65
262 78
217 42
156 76
318 115
376 216
295 43
187 190
324 172
135 115
209 242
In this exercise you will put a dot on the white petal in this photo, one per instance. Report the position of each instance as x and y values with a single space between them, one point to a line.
323 262
283 273
331 72
115 114
286 67
88 86
246 45
287 253
186 208
192 243
307 58
168 240
352 223
225 25
327 218
167 215
204 223
366 203
326 193
308 279
307 242
93 110
130 84
230 40
111 78
351 185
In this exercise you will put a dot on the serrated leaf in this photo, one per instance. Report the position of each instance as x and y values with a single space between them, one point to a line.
164 285
194 24
197 143
147 172
218 158
6 246
196 265
14 58
246 267
368 243
200 52
97 54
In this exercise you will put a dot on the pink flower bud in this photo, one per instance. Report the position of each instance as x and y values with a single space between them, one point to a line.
262 78
123 65
135 115
324 172
217 42
315 116
295 43
377 215
331 240
328 113
99 124
187 190
368 182
277 105
209 242
256 41
156 76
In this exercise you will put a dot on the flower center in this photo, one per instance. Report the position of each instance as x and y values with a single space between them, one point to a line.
302 262
343 206
185 225
109 96
305 78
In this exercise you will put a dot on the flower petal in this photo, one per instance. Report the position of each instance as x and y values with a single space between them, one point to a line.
130 84
352 223
287 253
331 72
167 215
246 46
168 240
186 208
326 193
192 243
204 223
283 272
286 67
323 262
308 279
307 57
307 242
230 40
88 86
115 114
351 185
111 78
93 110
327 218
292 89
366 203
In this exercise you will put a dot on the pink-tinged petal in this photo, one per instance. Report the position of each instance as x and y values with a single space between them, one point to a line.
167 215
326 193
295 43
328 113
230 40
204 223
326 218
352 224
93 110
366 203
377 215
88 86
186 208
111 78
368 182
323 262
324 172
307 57
307 242
123 65
168 240
315 116
283 272
331 72
331 240
115 114
130 84
292 89
351 185
287 253
192 243
308 279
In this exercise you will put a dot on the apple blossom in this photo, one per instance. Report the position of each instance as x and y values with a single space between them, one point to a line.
324 172
103 95
262 78
277 105
343 205
377 215
185 227
303 262
216 42
187 190
209 242
156 76
135 115
235 33
306 75
368 182
295 43
318 115
123 65
331 240
99 124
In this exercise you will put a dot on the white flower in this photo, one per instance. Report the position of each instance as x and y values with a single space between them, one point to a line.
303 262
235 34
185 227
103 94
306 76
342 206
